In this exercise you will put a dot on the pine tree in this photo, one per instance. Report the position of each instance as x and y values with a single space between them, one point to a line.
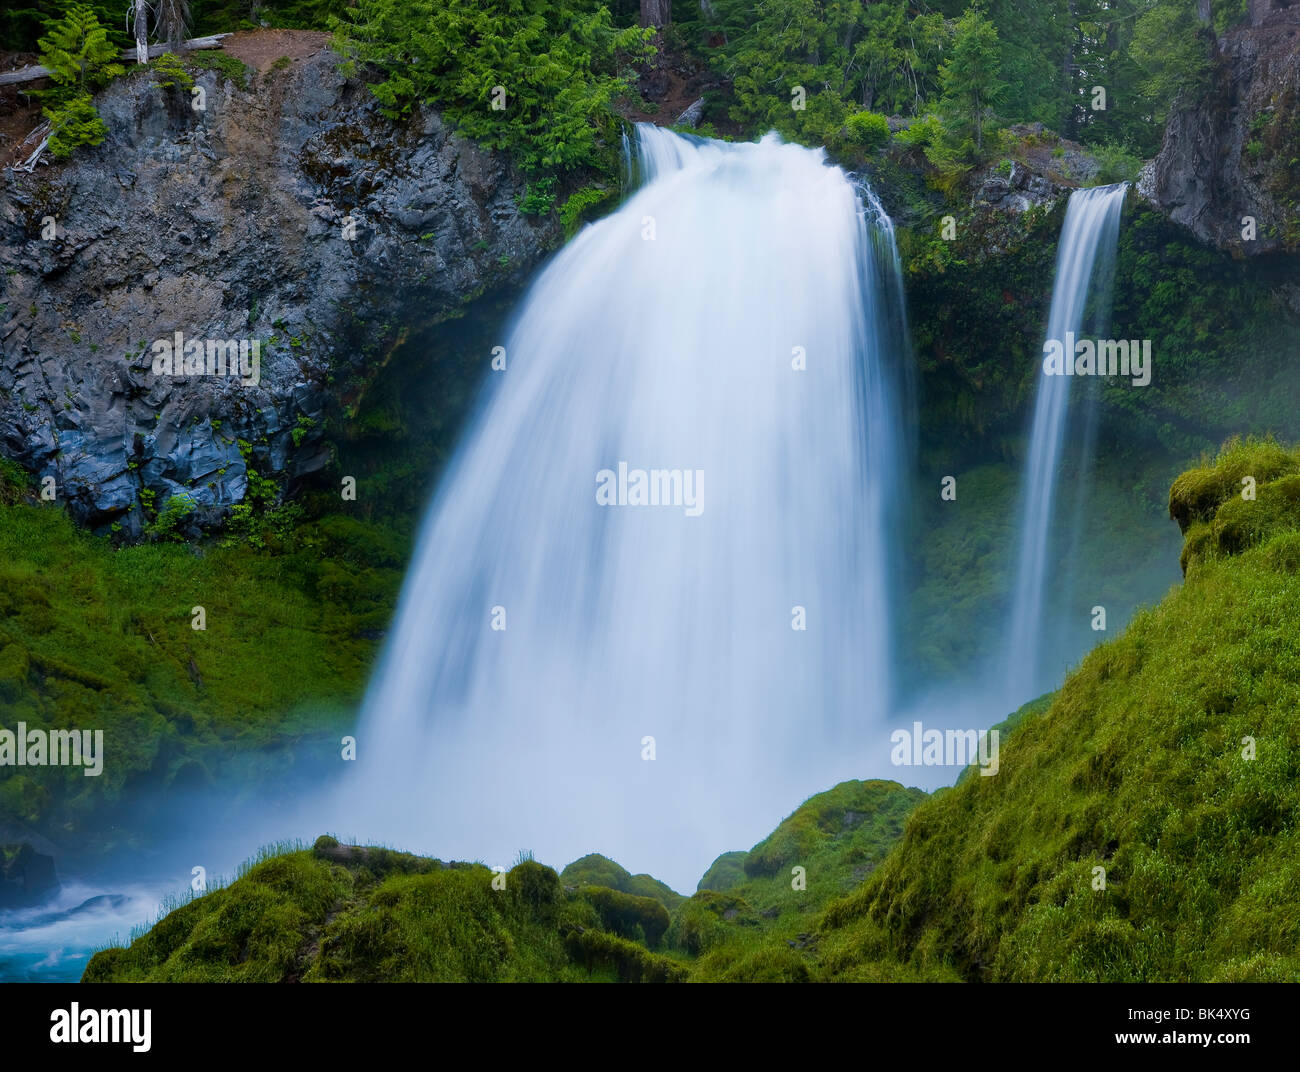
970 77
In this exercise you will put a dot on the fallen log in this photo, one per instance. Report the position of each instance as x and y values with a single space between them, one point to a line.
30 74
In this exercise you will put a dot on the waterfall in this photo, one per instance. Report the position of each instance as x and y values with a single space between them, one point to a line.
572 669
1084 257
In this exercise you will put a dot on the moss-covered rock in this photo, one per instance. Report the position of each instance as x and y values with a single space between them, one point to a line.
726 872
369 914
641 919
596 870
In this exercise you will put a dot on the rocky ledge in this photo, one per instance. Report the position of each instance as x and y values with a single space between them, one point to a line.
1228 169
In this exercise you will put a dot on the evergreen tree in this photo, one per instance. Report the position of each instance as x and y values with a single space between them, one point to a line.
970 77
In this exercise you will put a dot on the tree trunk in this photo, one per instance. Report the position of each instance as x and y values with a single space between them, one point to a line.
141 33
657 13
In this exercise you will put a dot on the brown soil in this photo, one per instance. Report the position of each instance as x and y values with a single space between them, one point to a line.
20 112
261 48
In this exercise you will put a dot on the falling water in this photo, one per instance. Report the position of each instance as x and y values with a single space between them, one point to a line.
1085 252
731 325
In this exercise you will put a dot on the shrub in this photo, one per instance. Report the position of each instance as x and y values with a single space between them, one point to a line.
169 74
177 508
74 123
867 130
1115 164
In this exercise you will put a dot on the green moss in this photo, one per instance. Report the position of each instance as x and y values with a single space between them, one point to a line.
1198 493
597 870
710 919
368 914
642 919
868 816
223 63
726 872
274 677
1140 765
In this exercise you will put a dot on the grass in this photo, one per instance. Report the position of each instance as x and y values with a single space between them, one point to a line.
1142 765
341 913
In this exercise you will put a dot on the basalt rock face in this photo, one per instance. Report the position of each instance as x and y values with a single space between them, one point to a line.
291 214
1231 153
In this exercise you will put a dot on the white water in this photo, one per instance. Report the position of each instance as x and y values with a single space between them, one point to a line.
673 351
1086 248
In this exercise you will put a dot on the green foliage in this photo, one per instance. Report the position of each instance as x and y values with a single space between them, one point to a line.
289 644
14 482
78 53
216 16
844 55
867 130
74 123
1116 164
539 196
557 62
169 74
1172 50
922 132
23 23
971 76
80 57
223 63
302 428
165 527
579 205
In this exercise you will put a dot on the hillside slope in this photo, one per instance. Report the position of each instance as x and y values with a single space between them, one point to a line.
1169 759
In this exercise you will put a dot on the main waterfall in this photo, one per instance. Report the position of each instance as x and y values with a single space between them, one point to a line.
1084 257
650 602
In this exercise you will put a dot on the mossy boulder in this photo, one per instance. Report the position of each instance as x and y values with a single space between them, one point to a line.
641 919
1249 494
596 870
1198 493
726 872
850 812
710 918
354 913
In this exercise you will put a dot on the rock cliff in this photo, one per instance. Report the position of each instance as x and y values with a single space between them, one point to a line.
289 214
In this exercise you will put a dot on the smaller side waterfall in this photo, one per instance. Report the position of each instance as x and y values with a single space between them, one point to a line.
1085 253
